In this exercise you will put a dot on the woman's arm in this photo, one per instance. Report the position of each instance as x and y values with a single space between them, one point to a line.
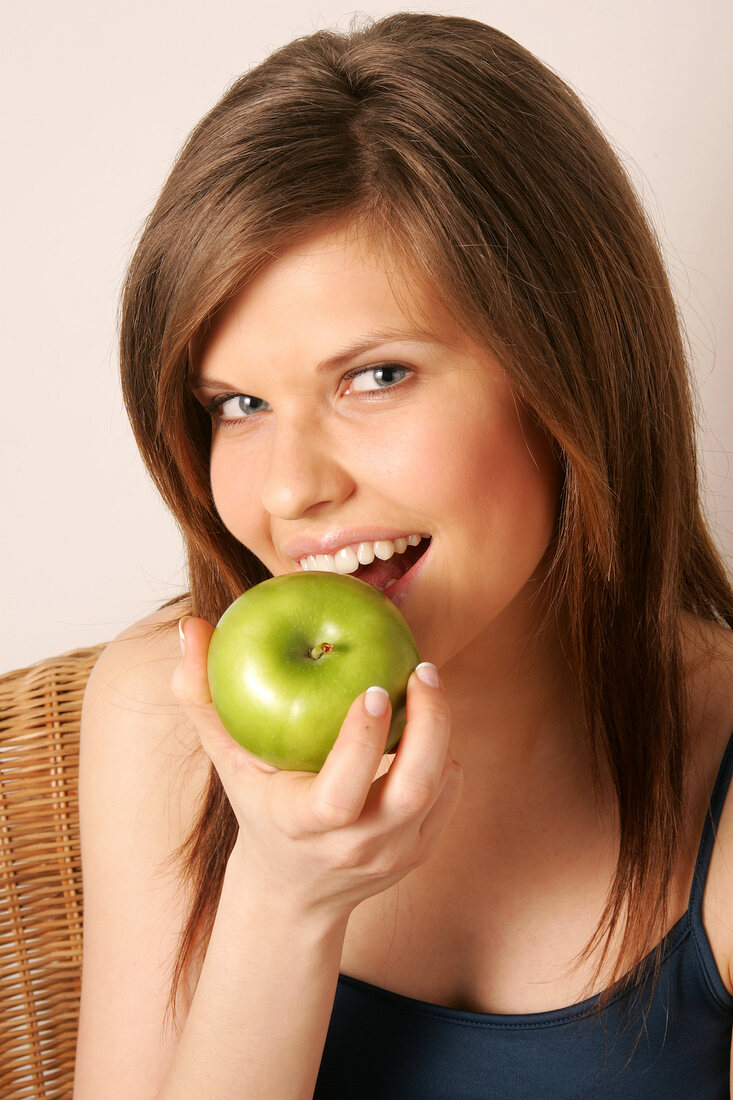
310 848
141 773
258 1021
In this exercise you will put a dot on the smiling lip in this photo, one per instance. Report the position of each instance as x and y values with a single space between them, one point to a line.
349 536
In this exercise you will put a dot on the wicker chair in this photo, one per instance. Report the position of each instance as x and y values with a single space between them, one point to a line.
40 875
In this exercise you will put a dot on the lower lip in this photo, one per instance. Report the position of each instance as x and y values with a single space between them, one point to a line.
398 591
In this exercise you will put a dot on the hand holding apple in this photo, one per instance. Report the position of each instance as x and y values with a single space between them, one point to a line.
290 655
320 843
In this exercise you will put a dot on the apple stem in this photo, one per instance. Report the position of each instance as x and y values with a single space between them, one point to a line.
318 650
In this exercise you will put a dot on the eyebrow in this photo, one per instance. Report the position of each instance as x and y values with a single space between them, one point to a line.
349 352
372 340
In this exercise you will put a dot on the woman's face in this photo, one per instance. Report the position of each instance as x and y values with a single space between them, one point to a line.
348 415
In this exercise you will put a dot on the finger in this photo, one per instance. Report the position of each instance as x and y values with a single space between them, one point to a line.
416 776
190 685
339 791
190 681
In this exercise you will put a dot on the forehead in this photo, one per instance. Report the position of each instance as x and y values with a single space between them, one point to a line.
335 287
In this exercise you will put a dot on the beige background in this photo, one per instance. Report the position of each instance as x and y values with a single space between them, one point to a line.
97 99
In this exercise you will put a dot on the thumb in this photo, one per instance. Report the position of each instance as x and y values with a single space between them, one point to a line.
190 685
190 680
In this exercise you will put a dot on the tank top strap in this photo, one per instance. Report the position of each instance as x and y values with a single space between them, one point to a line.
712 820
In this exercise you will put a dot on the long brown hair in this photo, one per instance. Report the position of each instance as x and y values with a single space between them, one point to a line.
482 171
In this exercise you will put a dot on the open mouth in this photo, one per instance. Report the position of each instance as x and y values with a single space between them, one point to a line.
385 574
394 564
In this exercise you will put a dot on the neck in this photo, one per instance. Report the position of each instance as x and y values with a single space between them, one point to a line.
518 720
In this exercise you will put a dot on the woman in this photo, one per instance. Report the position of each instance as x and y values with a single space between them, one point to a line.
397 284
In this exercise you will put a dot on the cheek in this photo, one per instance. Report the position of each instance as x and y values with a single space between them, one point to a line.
234 494
524 493
494 498
530 478
497 475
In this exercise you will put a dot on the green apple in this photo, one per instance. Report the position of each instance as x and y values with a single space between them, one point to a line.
288 658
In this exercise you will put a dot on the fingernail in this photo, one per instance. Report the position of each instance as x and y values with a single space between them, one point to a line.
181 634
375 702
428 674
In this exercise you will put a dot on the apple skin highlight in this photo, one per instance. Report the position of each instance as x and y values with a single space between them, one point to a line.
289 656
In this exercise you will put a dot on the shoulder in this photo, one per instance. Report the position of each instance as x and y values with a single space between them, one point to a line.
709 667
141 777
141 659
130 717
139 754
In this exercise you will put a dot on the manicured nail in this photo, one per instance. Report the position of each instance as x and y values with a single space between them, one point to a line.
428 674
375 702
182 635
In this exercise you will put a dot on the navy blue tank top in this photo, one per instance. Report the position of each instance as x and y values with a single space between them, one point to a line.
385 1046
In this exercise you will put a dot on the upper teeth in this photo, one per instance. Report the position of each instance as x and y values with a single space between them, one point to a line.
349 558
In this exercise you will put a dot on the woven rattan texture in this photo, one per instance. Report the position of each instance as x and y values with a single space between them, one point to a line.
40 875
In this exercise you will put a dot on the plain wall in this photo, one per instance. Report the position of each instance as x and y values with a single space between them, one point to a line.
97 99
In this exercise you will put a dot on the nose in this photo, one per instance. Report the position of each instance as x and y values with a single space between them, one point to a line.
305 470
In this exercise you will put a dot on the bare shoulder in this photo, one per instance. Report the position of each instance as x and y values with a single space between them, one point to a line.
132 721
141 659
709 652
129 713
708 659
141 777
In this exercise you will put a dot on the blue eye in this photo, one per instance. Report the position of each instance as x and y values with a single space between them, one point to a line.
235 406
385 376
365 382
